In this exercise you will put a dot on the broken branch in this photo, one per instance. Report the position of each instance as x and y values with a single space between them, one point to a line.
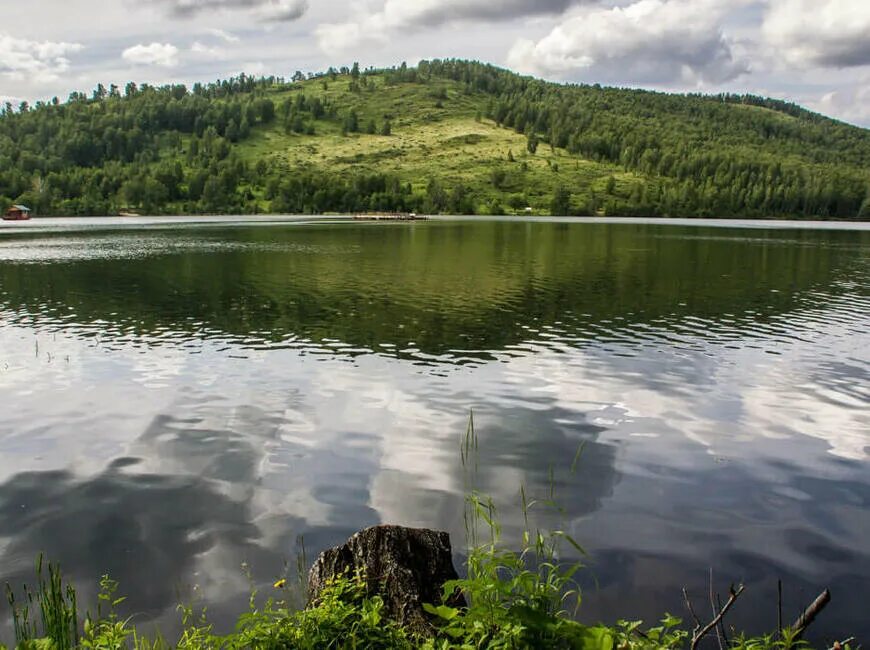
698 635
811 612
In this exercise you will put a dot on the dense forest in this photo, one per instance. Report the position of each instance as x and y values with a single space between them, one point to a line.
444 137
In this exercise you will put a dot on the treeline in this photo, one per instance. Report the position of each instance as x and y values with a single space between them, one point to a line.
172 149
714 157
312 193
92 155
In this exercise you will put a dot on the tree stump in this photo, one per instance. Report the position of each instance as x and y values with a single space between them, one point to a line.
407 567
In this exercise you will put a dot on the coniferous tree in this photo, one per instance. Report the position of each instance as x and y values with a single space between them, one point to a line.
561 204
352 122
532 144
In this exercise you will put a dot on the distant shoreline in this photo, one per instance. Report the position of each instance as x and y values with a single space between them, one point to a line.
52 224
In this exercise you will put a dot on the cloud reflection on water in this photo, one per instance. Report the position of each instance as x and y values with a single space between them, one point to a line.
204 409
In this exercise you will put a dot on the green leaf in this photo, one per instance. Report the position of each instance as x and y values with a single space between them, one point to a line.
442 611
593 638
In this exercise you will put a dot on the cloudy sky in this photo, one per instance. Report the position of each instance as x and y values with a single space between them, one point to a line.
815 52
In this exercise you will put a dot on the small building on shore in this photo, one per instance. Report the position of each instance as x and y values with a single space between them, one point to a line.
17 213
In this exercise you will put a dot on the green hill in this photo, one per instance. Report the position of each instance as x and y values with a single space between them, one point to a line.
447 136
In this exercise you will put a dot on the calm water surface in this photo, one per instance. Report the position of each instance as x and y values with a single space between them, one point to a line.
181 398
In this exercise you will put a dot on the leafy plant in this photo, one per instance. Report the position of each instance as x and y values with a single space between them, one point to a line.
344 617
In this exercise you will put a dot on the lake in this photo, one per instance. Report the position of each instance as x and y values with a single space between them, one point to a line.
181 397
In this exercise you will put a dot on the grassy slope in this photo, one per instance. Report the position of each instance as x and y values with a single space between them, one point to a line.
429 142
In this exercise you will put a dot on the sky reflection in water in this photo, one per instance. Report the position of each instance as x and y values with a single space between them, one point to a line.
184 399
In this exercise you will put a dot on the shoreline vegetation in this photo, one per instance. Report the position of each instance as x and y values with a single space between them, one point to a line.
206 217
508 600
374 592
445 137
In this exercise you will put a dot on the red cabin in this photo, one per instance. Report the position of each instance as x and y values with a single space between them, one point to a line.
17 213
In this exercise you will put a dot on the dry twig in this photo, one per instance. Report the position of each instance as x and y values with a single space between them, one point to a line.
699 633
713 608
779 608
722 624
810 613
691 609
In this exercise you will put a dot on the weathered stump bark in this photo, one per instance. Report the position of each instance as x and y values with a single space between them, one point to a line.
407 567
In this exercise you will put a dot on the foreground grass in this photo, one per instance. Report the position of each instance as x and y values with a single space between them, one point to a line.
525 599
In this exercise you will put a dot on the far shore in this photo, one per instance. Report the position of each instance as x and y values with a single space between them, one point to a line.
50 224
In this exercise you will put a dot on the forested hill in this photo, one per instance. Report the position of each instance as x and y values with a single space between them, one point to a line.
445 137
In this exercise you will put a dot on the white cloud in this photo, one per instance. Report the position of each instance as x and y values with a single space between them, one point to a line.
833 33
650 41
851 103
254 68
34 60
207 51
282 10
263 10
398 16
162 54
223 35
